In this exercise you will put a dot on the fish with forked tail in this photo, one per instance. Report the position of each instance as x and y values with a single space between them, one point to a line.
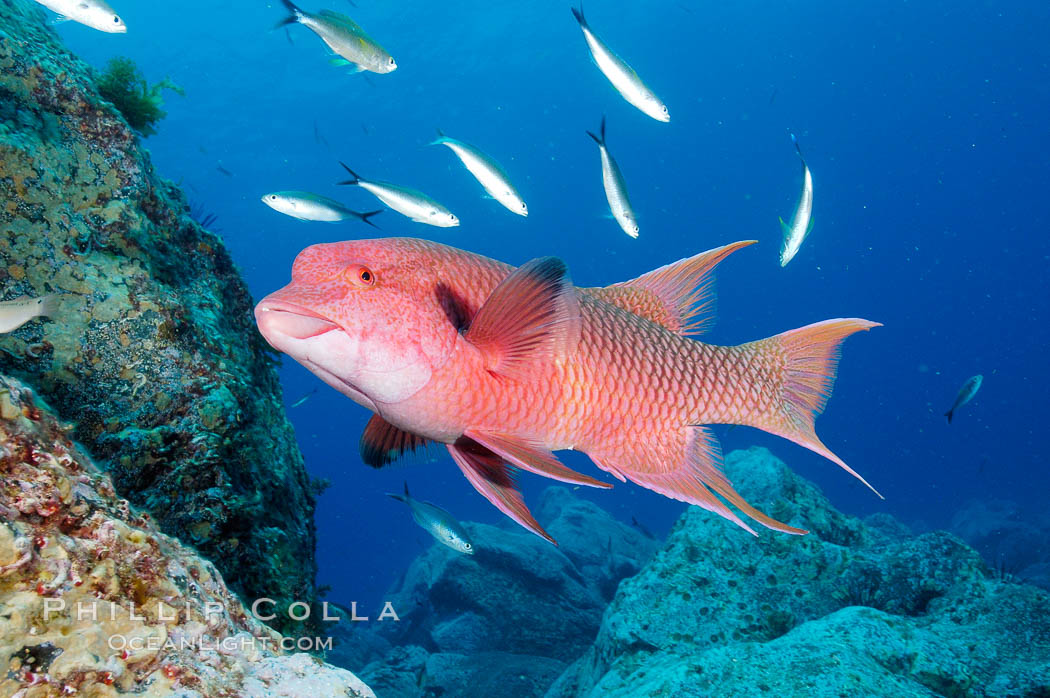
344 37
437 522
505 366
966 393
622 76
802 220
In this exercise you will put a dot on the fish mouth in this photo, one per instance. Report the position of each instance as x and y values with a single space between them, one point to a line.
291 320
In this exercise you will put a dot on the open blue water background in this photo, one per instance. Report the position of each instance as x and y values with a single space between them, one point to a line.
925 125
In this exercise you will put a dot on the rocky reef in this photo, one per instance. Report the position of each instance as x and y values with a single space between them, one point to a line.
1015 544
504 621
855 608
153 354
96 601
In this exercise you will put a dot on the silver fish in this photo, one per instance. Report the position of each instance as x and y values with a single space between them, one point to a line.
615 187
488 173
966 393
621 75
802 220
313 207
17 312
438 523
408 202
92 13
344 37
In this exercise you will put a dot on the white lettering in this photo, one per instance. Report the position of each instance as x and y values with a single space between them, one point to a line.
353 612
388 612
53 606
255 609
81 606
298 604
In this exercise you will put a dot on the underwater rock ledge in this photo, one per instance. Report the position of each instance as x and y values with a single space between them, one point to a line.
154 355
95 600
855 608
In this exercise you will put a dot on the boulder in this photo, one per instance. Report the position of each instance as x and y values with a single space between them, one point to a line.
847 610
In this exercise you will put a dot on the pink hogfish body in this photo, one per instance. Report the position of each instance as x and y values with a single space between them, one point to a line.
506 366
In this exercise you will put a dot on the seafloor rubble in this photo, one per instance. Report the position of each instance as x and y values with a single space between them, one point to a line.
855 608
153 356
96 601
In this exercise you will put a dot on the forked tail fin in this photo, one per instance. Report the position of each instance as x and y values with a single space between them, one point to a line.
804 362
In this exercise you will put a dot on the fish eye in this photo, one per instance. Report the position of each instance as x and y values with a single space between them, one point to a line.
273 197
391 60
360 276
468 546
452 216
116 19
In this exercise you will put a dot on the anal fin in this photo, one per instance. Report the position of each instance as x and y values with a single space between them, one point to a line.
382 443
532 457
687 466
490 476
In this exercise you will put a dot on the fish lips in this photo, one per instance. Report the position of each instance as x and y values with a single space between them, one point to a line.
282 318
277 319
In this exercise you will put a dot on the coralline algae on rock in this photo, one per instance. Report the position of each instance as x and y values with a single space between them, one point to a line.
96 601
154 354
848 610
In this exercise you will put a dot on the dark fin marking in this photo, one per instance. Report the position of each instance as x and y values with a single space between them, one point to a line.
294 14
382 443
532 316
355 180
492 478
456 308
599 140
364 217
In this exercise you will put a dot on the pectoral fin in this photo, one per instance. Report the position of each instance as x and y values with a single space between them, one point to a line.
532 457
532 317
382 443
490 476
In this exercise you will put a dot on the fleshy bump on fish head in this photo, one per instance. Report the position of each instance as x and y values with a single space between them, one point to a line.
364 317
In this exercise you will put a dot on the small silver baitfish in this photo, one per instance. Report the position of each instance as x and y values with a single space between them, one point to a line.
344 37
966 393
621 75
615 187
408 202
488 173
313 207
438 523
91 13
17 312
802 220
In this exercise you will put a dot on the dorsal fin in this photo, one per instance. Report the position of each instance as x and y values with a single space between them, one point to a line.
679 296
533 316
382 443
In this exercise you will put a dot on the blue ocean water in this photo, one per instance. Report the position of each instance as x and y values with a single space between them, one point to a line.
924 125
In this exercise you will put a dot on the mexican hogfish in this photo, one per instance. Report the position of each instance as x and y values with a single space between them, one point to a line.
505 366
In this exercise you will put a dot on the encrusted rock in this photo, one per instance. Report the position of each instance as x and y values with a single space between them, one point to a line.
96 601
153 354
